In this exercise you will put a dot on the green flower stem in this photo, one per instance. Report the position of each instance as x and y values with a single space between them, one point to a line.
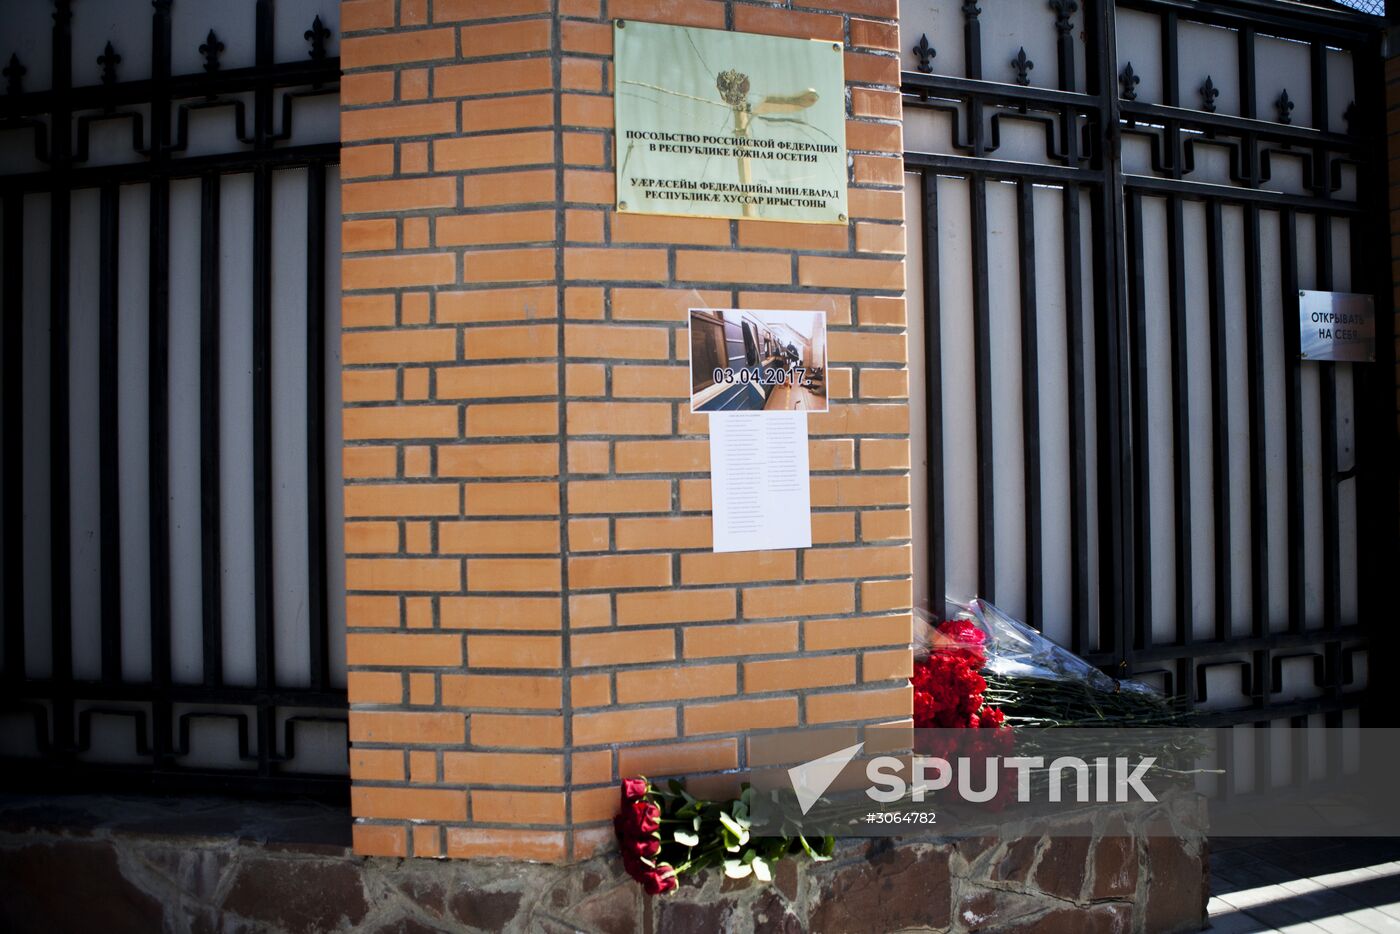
704 852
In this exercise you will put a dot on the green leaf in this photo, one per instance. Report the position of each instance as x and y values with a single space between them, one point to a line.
686 839
735 869
738 829
731 840
761 870
820 856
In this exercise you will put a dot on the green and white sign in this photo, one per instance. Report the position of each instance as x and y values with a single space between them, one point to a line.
725 124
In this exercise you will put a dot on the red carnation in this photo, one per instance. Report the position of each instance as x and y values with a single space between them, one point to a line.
962 638
948 690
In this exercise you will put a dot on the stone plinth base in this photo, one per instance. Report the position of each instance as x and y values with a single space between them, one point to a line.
142 866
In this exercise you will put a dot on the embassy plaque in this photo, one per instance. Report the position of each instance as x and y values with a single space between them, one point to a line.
712 123
1337 326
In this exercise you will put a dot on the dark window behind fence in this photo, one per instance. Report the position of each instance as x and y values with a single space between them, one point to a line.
171 521
1113 209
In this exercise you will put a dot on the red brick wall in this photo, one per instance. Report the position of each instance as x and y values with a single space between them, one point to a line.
534 607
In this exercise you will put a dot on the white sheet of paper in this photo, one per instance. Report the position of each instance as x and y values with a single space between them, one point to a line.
760 481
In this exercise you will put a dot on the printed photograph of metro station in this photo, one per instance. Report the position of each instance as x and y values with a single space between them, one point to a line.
757 361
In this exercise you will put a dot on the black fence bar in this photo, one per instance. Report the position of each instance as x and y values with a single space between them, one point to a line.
1225 124
109 226
1280 640
1317 68
1117 585
12 385
982 363
1258 451
1064 42
998 169
1377 458
1232 195
264 627
972 40
1142 517
1249 154
1171 92
1337 24
1080 599
1183 546
1221 460
283 157
210 499
60 521
1328 442
1293 416
1181 425
933 389
126 691
46 778
1258 448
1171 73
158 386
1326 375
946 87
261 242
180 87
317 617
1030 402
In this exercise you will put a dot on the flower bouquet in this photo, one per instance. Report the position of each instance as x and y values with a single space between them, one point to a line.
664 833
1022 678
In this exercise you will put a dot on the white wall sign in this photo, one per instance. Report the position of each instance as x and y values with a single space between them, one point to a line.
760 481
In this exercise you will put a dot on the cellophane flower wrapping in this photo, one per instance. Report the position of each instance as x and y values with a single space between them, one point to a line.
1022 677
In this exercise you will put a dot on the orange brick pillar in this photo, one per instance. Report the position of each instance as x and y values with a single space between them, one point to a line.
534 607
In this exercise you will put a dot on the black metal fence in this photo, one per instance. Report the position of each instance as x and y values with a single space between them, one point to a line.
1108 349
65 711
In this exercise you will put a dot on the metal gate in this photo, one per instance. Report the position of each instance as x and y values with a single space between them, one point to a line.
170 253
1114 208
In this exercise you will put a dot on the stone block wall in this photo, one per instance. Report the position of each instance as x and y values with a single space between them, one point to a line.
533 604
211 868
